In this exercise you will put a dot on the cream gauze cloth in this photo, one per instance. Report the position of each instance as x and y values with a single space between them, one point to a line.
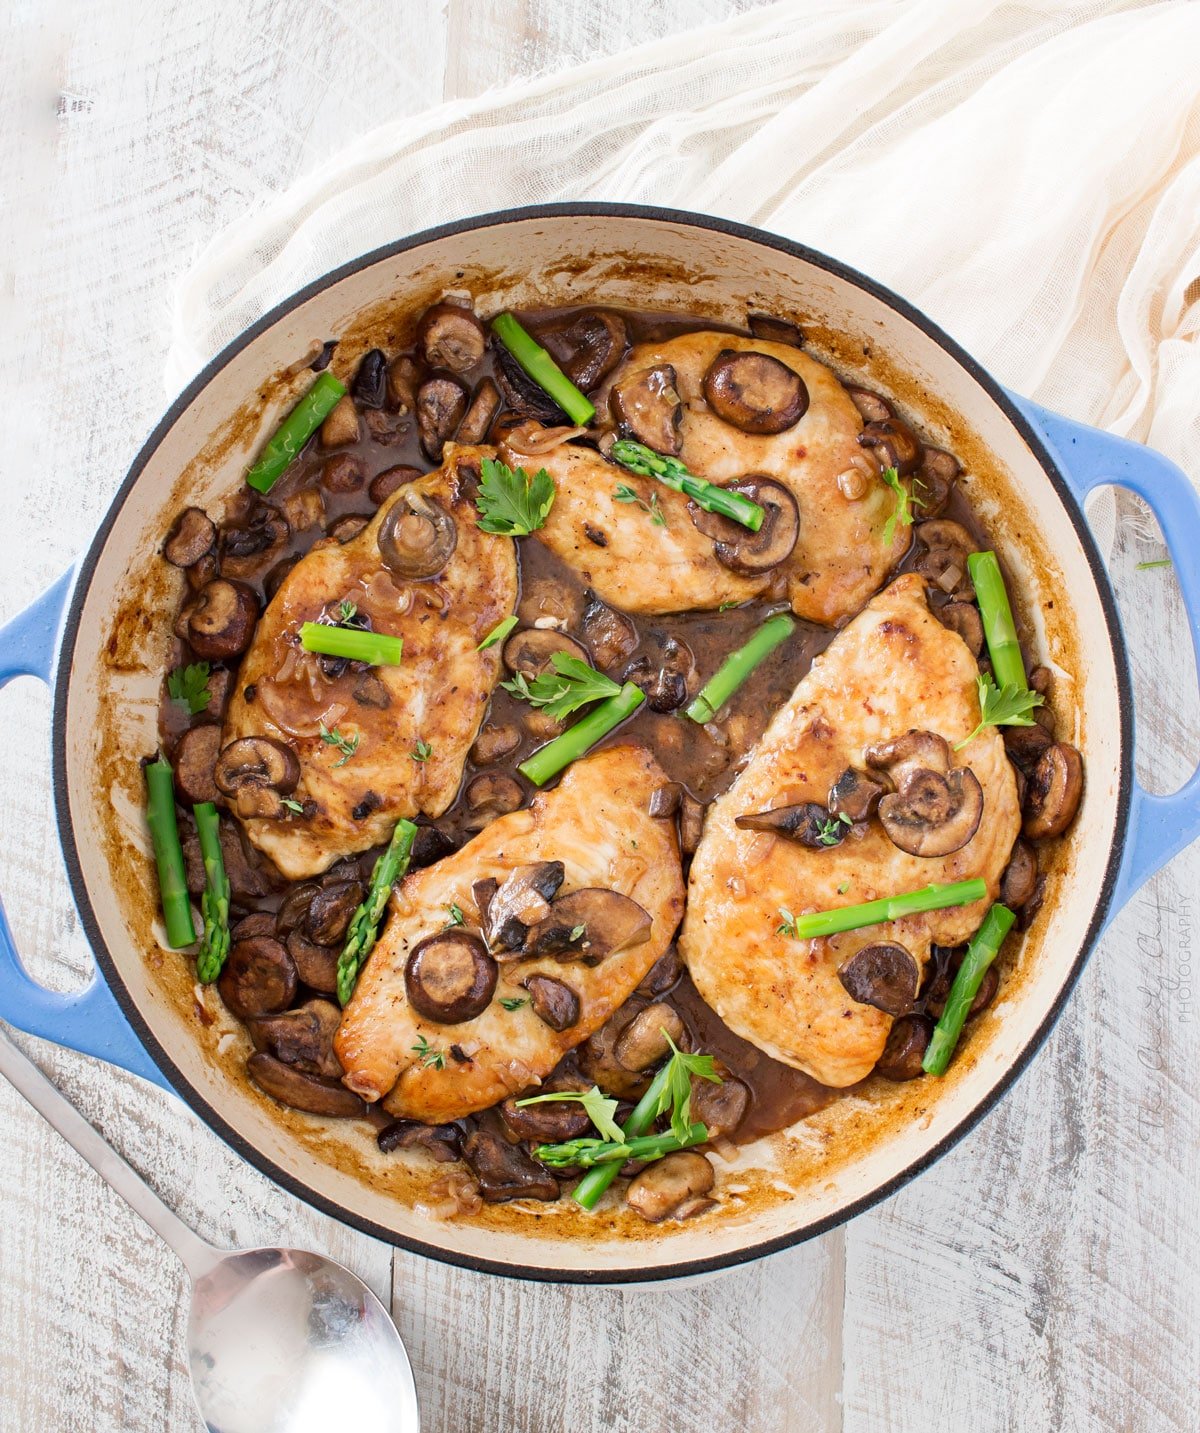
1028 174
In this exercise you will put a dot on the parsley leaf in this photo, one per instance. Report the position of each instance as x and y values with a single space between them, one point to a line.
189 686
512 503
1002 706
570 686
514 1002
422 751
429 1056
347 745
830 832
788 925
676 1092
625 494
902 512
601 1109
296 806
498 633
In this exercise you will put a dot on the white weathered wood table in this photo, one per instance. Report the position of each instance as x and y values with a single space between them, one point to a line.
1042 1276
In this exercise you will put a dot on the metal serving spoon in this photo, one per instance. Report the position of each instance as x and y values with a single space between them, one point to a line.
279 1340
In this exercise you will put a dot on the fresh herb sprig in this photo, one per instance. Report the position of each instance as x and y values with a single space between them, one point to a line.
429 1055
514 1002
600 1108
902 512
422 751
347 745
1002 706
510 502
189 686
625 494
572 684
454 914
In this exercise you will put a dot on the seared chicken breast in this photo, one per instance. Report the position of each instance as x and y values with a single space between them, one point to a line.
840 557
596 823
355 784
893 669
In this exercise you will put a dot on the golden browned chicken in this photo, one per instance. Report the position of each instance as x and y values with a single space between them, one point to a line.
689 396
894 669
422 571
581 892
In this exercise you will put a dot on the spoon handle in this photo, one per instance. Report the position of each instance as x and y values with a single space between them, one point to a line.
28 1080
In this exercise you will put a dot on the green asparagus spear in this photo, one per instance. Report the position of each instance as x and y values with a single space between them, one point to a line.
214 903
589 1189
378 648
649 464
168 854
364 923
889 908
534 359
1008 666
550 759
599 1154
985 945
734 670
295 430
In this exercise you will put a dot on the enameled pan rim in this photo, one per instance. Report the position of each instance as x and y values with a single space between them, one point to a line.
536 1272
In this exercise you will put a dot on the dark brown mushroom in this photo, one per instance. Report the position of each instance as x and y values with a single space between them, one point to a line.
933 813
430 844
905 1049
316 965
943 563
808 823
494 743
647 408
553 1001
1028 912
748 552
450 977
871 407
302 1037
894 444
193 535
855 795
256 761
249 879
369 388
691 823
195 759
988 988
610 635
885 976
340 427
370 690
773 329
934 483
1054 792
675 1185
1020 875
343 473
665 681
294 907
202 571
504 1170
642 1044
598 1063
523 396
303 509
259 978
384 484
404 378
1026 745
417 536
665 973
247 547
913 750
587 347
330 910
589 925
485 404
963 618
520 901
529 651
451 336
754 392
220 621
314 1094
347 528
442 1143
273 580
441 404
550 1122
720 1108
255 924
491 794
665 799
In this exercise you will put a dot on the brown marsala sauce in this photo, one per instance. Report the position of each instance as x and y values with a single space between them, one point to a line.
706 765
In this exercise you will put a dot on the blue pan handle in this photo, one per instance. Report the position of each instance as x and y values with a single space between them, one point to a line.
88 1020
1159 826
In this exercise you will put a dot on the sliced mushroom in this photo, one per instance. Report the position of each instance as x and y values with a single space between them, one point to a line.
384 484
519 902
343 473
933 814
202 572
220 622
663 974
894 444
314 1094
1020 875
553 1001
963 618
947 546
259 978
195 759
417 537
370 381
302 1037
442 1143
523 395
441 404
450 977
691 823
330 910
913 750
1026 745
665 685
316 965
885 976
854 794
530 650
491 794
669 1185
1054 792
485 404
370 690
589 925
665 799
720 1108
253 802
257 761
588 347
647 408
773 329
340 428
1027 913
754 392
494 743
246 548
934 483
304 509
404 378
294 907
255 924
273 581
550 1122
347 528
504 1170
192 536
748 552
611 635
451 336
905 1049
642 1044
808 823
871 407
430 844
